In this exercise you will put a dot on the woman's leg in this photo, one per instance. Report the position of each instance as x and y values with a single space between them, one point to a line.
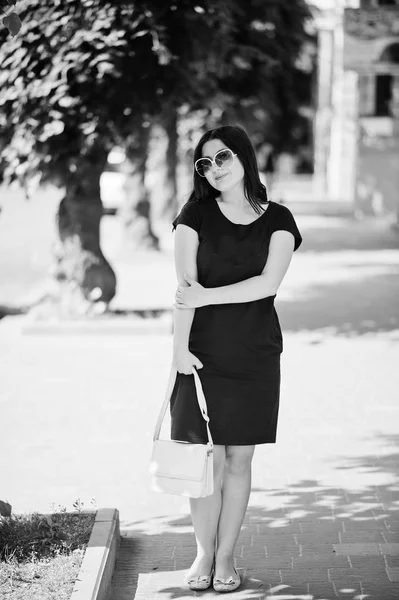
236 488
205 514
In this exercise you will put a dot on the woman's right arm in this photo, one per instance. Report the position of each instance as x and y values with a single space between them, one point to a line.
185 254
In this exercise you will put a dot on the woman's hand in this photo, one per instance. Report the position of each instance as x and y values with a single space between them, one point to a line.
191 297
184 361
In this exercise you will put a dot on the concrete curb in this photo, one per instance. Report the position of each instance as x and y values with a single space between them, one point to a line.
95 575
25 325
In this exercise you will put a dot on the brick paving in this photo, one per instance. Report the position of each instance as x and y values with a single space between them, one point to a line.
277 556
323 516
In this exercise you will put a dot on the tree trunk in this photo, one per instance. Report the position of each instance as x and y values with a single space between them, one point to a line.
81 262
136 210
170 124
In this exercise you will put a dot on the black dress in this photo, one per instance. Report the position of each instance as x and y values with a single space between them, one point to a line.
239 344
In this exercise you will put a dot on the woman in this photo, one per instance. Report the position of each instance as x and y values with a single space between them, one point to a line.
232 249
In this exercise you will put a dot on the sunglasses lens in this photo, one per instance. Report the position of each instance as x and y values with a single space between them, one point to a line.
224 158
203 166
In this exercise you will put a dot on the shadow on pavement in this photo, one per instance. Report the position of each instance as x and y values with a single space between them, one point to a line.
344 280
322 234
348 284
345 307
11 310
304 542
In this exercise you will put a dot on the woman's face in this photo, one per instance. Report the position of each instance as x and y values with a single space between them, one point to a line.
222 178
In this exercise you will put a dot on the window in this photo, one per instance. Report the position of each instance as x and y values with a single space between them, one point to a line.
383 95
391 54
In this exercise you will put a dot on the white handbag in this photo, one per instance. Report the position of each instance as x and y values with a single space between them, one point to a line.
179 467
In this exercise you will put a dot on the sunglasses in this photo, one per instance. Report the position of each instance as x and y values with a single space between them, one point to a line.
223 158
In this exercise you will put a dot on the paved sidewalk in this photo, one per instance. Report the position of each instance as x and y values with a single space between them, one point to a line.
320 555
323 516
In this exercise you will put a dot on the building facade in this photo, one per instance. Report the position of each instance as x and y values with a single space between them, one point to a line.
357 117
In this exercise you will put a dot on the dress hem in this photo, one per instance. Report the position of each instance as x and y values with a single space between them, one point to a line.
252 443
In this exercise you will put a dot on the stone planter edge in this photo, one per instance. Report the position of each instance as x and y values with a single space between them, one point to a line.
94 578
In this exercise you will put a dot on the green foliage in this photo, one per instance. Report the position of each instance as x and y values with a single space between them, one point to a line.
83 75
266 86
70 81
238 62
36 535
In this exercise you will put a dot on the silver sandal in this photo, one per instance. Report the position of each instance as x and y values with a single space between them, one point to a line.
202 582
227 585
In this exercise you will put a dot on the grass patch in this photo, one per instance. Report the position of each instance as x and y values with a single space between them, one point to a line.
40 555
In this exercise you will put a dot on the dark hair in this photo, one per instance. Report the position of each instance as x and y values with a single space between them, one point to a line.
235 138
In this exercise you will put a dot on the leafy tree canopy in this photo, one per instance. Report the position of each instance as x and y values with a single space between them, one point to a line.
83 74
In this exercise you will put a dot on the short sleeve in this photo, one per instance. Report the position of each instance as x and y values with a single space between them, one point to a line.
190 215
285 221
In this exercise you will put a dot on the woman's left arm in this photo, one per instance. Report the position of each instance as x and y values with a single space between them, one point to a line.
266 284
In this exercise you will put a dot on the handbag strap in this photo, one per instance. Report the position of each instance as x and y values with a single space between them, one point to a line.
200 398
